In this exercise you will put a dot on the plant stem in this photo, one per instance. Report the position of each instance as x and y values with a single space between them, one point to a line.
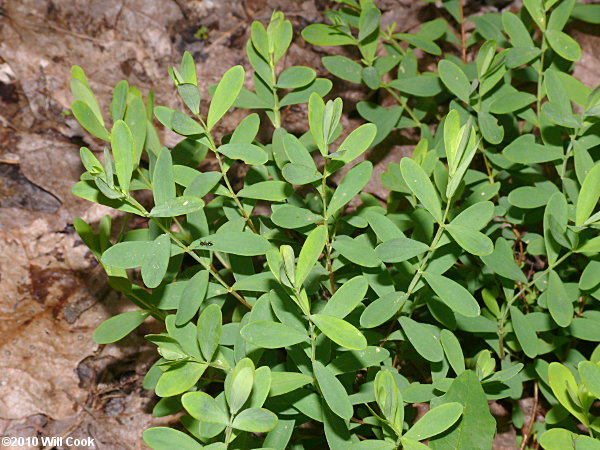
404 105
213 272
234 196
538 276
463 46
540 77
527 433
276 112
328 238
415 280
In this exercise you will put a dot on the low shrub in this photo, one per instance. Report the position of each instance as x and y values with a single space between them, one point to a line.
303 313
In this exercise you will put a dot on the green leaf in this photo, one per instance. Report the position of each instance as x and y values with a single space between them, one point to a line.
241 386
524 150
511 102
333 392
156 261
190 95
343 67
310 253
299 174
267 334
255 420
188 69
588 196
535 8
346 298
246 130
475 216
179 206
400 249
320 86
563 44
179 378
353 183
88 120
477 426
382 309
453 351
560 439
524 332
353 360
559 305
186 126
127 255
284 382
530 197
562 383
279 437
135 118
122 146
471 240
502 262
117 327
435 421
426 85
209 329
204 408
227 91
340 331
164 438
295 77
316 109
389 399
356 143
289 216
193 296
424 44
324 35
357 251
455 79
368 21
235 242
163 182
555 224
590 376
420 184
586 329
274 191
518 56
490 129
249 153
453 294
590 277
336 429
422 339
374 445
82 92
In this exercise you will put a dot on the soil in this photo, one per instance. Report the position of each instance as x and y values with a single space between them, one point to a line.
54 381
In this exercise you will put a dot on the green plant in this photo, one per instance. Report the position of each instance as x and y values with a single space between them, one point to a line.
478 279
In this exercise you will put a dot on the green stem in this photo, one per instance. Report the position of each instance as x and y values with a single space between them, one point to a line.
535 279
404 105
541 77
193 254
328 238
276 112
415 280
432 248
234 196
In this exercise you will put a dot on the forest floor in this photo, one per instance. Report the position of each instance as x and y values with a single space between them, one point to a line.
54 381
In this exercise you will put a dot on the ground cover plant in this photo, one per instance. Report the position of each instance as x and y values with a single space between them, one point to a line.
303 314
